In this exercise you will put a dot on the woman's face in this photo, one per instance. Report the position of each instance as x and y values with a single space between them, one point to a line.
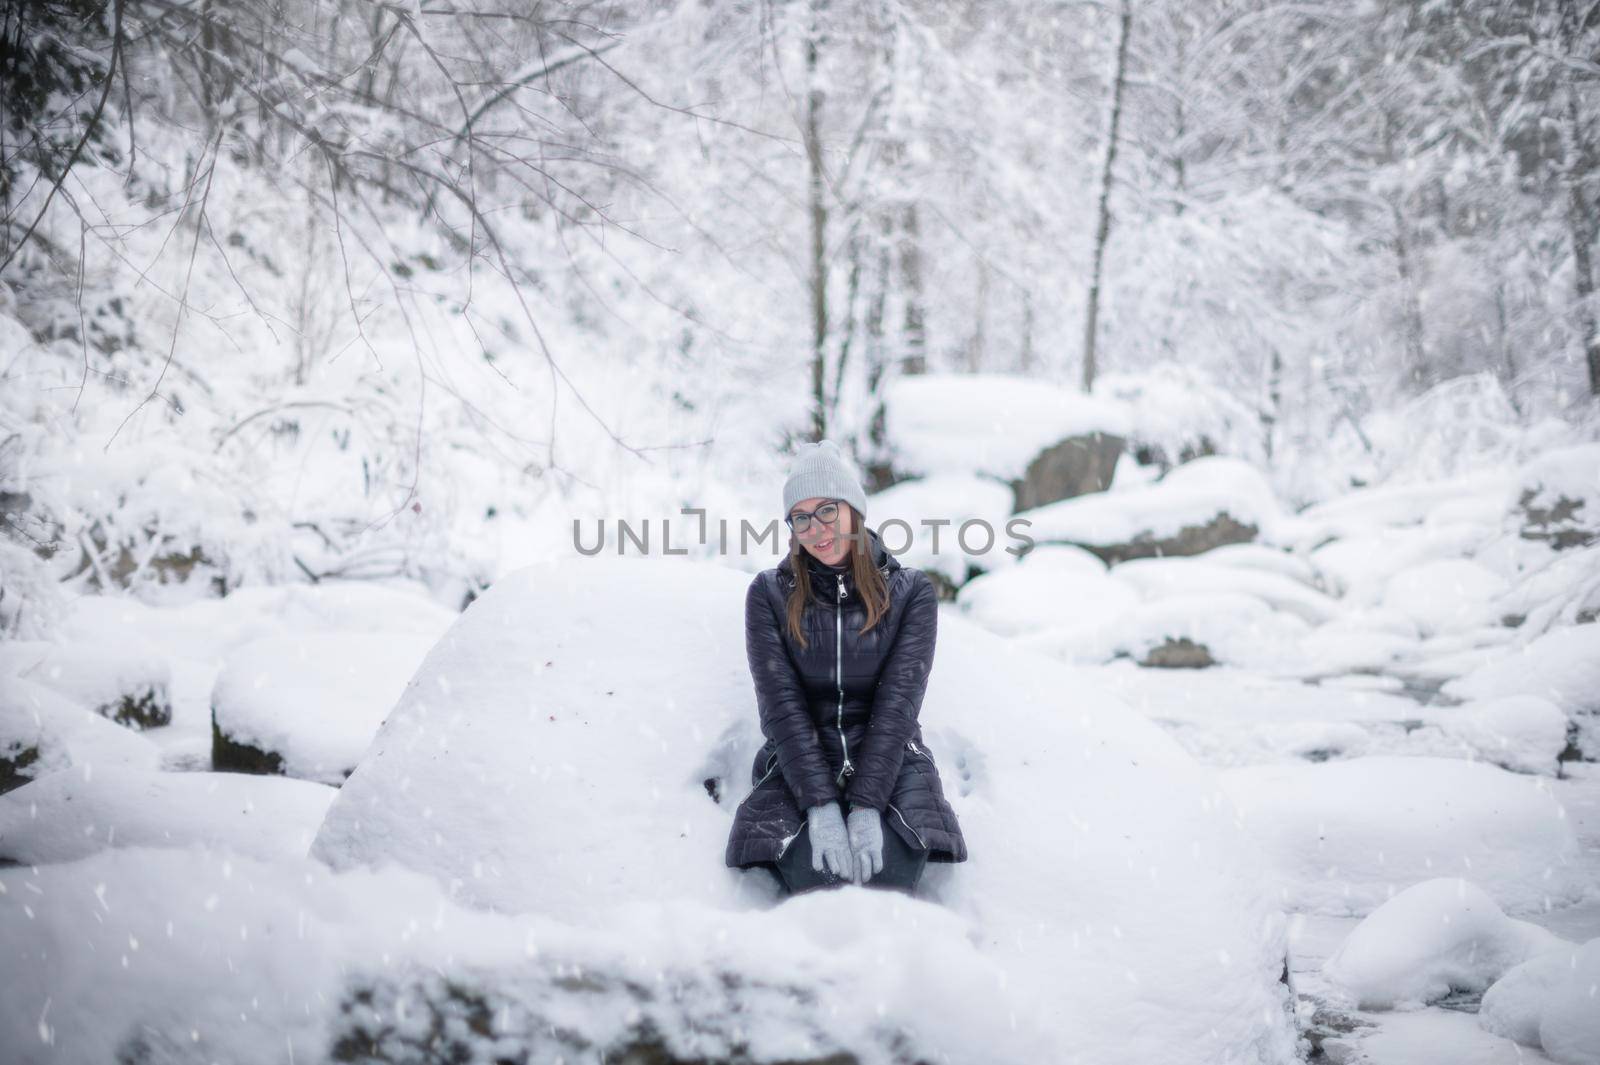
825 540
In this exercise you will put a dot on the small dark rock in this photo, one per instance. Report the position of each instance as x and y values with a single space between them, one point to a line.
1180 653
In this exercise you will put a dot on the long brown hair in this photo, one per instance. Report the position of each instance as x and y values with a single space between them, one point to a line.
869 583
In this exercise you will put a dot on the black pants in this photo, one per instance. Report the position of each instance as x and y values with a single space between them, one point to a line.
902 865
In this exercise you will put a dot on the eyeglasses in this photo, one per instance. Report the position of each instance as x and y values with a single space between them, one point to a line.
800 520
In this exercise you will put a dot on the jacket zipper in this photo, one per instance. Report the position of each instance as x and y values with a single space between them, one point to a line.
903 821
838 674
772 764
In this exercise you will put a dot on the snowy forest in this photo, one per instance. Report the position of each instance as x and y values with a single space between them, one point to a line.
388 386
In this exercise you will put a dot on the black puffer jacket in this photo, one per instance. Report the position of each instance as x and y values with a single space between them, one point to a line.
849 733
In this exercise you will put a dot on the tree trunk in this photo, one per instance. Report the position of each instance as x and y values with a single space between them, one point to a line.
1103 227
1273 412
1582 163
1416 348
914 331
980 320
819 229
1416 358
1026 357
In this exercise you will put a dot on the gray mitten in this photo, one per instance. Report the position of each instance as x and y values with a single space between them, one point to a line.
866 841
829 840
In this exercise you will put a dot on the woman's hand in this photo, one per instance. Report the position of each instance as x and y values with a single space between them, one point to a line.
866 841
829 841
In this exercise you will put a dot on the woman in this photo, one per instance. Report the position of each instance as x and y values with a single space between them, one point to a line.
840 639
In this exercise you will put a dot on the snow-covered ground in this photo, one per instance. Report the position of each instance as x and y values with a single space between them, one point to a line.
1385 780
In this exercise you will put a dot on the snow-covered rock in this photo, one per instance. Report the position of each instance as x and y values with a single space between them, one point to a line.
206 626
1181 630
1202 504
71 814
1179 412
1230 627
925 519
1435 937
1557 497
1562 588
307 706
561 748
1514 1004
1562 666
1294 565
1359 566
1345 836
1371 638
1159 577
989 424
1075 466
121 684
42 732
1445 594
187 954
1524 733
1548 1002
1427 504
1051 586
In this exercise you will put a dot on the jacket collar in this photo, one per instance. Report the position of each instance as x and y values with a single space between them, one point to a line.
822 575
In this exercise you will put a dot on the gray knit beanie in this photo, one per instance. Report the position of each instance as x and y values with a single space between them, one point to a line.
821 470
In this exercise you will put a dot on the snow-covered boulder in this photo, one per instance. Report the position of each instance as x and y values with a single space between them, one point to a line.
1445 594
1561 588
71 814
120 684
1557 497
327 606
1202 504
192 954
1194 507
1179 413
928 524
1562 666
210 627
42 732
1358 567
1365 638
1523 733
575 744
1433 503
988 424
307 706
1437 936
1345 836
1285 563
1156 578
1226 716
1051 586
1198 630
1072 467
1181 631
1547 1003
